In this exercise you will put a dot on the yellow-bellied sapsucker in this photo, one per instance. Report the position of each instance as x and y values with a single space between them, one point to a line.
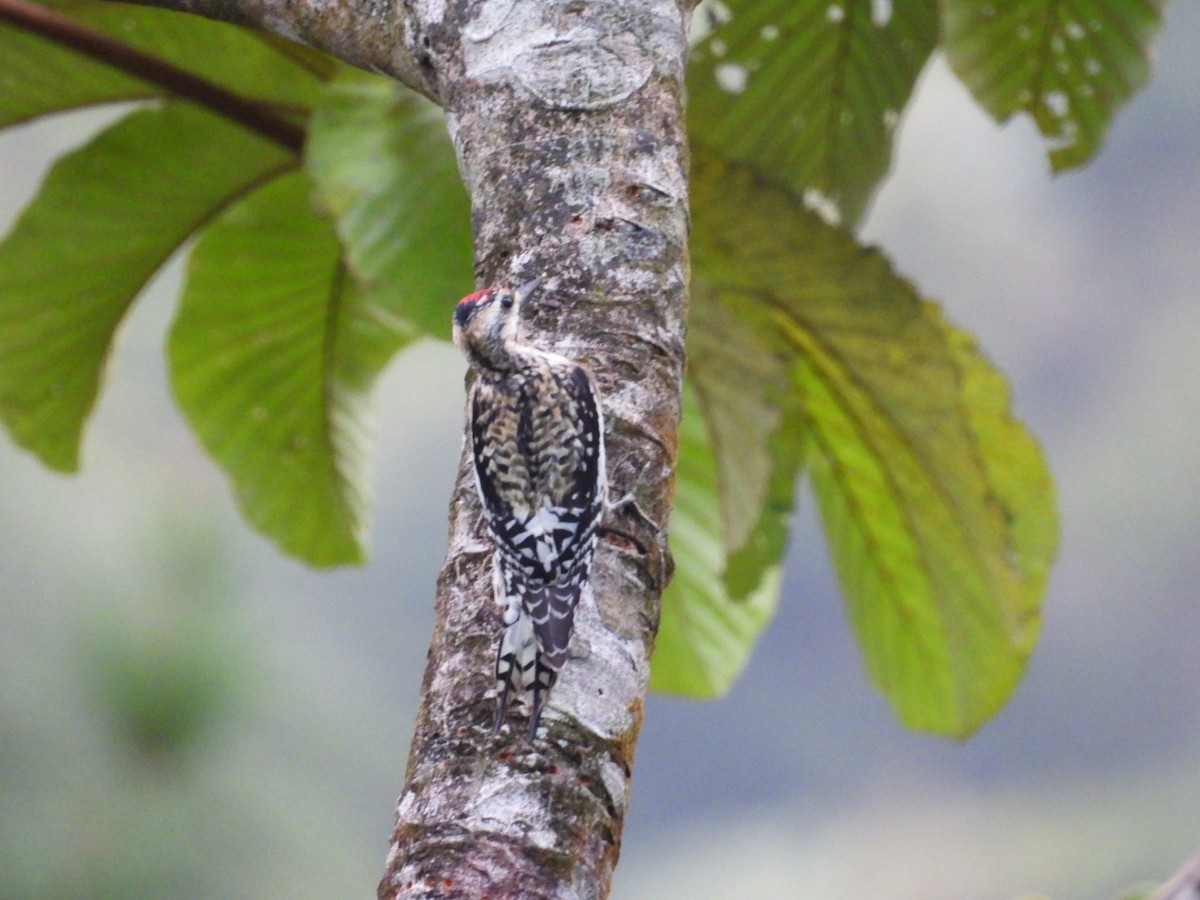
537 442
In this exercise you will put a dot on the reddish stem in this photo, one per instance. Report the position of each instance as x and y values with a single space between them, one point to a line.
60 29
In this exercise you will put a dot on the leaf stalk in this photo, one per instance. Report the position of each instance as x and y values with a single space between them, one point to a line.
61 29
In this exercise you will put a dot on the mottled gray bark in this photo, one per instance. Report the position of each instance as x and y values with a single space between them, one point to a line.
371 34
567 118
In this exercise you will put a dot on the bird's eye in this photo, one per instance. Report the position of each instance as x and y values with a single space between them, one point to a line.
506 301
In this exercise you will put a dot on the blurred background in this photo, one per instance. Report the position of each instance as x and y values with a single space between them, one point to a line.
186 713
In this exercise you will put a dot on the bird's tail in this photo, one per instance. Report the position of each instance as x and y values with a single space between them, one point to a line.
516 658
538 620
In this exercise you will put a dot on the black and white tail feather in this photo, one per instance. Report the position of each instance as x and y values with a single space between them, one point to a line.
537 444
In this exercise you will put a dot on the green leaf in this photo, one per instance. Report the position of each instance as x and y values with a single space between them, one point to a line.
1068 63
936 503
105 220
704 637
272 356
1014 468
39 77
386 173
809 90
740 373
742 440
323 66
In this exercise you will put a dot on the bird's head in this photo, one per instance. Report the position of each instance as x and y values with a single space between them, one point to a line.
485 320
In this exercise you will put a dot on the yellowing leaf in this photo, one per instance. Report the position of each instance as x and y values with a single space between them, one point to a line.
936 503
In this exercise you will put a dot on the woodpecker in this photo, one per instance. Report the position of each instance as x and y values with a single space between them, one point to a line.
537 446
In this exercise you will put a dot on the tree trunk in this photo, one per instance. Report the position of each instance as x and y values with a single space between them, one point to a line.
567 119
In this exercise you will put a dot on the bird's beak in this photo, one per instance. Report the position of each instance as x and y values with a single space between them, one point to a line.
527 288
463 313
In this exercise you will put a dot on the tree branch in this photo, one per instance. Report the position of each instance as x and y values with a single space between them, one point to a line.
56 27
568 123
370 34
